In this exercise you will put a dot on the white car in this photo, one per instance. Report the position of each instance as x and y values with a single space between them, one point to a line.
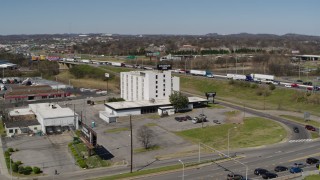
287 85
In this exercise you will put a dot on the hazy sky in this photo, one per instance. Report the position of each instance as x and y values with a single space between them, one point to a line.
160 16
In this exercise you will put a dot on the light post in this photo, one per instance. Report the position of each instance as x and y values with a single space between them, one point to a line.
229 140
182 169
10 167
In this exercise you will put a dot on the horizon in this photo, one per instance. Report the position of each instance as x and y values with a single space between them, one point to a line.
155 17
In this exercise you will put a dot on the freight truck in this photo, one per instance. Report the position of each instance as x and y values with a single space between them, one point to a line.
239 77
265 78
201 73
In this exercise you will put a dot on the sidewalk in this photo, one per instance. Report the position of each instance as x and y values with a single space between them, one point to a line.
3 167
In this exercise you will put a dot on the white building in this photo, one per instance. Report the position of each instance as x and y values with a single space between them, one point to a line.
51 115
147 85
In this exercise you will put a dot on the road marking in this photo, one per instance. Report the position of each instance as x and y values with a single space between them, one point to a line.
300 140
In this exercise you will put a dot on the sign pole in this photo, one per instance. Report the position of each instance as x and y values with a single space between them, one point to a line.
131 145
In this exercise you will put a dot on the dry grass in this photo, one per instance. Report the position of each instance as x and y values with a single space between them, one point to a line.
113 85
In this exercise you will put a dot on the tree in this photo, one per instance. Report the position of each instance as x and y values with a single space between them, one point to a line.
178 100
145 136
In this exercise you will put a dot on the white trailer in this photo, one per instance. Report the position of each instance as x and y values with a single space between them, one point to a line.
87 61
236 76
262 77
198 72
118 64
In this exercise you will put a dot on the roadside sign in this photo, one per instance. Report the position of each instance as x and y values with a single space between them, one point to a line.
306 116
106 75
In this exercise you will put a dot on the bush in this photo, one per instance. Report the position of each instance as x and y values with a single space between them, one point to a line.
82 163
15 167
272 87
7 154
254 86
21 170
27 170
10 150
113 99
36 170
19 163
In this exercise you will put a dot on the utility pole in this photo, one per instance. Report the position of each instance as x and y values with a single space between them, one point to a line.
131 145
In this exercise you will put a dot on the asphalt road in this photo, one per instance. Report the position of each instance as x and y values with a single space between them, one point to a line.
303 133
285 154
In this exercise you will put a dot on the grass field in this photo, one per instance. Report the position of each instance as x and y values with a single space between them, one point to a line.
116 130
92 161
254 132
280 98
113 84
2 131
301 120
312 177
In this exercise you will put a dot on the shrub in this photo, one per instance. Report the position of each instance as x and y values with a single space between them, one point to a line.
254 86
21 170
82 163
113 99
10 150
7 154
19 163
231 82
15 167
36 170
272 87
27 170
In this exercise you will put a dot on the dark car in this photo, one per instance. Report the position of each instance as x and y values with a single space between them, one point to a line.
299 80
299 165
296 129
280 168
317 165
189 117
179 119
311 128
216 121
269 175
295 170
234 177
312 160
260 171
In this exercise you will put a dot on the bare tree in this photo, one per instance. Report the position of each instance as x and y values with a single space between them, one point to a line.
145 136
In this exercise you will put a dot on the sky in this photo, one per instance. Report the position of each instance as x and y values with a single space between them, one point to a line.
194 17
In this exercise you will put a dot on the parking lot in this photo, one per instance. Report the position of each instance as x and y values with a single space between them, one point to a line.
49 153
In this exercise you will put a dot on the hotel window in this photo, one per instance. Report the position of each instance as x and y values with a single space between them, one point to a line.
156 87
164 94
156 95
156 76
156 82
156 91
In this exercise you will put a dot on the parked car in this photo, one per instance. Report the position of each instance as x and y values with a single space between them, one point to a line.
232 176
188 117
295 170
299 165
269 175
312 160
216 121
260 171
287 85
280 168
294 85
307 83
49 130
202 115
195 120
57 129
296 129
180 119
311 128
317 166
299 80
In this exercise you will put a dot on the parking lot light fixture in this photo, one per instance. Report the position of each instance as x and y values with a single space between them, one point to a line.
182 169
229 140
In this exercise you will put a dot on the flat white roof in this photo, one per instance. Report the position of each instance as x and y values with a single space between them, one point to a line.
139 104
19 112
46 110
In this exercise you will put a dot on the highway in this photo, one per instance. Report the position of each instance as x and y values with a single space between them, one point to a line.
282 154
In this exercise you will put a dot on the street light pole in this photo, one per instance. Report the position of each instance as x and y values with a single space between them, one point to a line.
131 151
229 140
10 167
182 169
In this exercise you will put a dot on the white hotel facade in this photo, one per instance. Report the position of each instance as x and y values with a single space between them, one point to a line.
147 85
